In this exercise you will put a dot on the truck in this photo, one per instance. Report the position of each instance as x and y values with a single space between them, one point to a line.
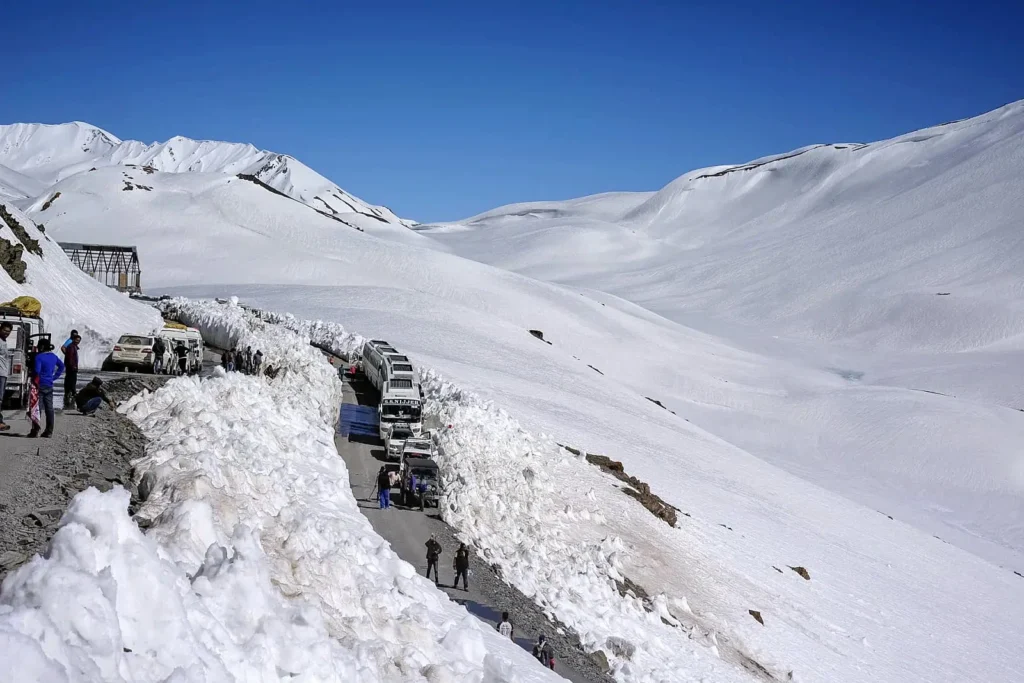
420 483
26 330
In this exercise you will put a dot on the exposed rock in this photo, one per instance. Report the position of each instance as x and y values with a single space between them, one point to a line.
601 659
48 202
802 572
10 559
31 244
594 369
757 616
776 569
659 404
11 261
540 335
636 489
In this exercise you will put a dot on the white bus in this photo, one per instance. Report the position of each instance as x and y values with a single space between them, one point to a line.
373 356
401 401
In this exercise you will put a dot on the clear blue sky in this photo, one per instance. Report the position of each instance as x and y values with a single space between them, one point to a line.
441 110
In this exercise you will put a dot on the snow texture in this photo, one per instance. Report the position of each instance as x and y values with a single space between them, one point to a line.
258 564
835 335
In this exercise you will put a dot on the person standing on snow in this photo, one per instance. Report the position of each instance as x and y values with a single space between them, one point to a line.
460 563
5 367
248 360
48 370
543 653
257 362
71 370
433 554
384 488
505 627
159 349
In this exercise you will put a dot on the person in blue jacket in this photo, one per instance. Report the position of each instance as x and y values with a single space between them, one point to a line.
48 369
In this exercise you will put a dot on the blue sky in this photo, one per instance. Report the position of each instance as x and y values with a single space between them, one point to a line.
442 110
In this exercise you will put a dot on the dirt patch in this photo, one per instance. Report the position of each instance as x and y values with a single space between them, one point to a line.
38 477
757 616
802 572
30 243
659 404
48 202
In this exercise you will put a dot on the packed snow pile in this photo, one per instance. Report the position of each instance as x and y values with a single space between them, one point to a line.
50 153
70 299
258 563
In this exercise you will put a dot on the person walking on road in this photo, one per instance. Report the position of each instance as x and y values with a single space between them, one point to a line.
71 370
433 555
91 396
225 361
543 653
384 488
257 362
460 563
48 370
159 349
505 627
5 367
182 352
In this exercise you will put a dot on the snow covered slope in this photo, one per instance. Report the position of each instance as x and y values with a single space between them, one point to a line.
784 451
70 299
49 153
911 243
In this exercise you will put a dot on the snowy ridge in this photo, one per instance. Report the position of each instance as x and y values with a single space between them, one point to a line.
258 564
50 153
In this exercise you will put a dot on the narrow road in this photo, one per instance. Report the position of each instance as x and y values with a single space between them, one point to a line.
408 530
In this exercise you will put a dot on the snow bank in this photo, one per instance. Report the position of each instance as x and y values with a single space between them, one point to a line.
499 497
258 564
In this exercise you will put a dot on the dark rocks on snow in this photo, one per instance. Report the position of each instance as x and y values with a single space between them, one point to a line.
636 489
802 572
659 404
540 335
31 244
11 260
48 202
757 616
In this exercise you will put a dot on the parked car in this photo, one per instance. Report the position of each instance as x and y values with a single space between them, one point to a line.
420 483
398 434
133 351
417 447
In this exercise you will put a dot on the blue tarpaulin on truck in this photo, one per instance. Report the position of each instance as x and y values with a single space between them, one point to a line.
358 421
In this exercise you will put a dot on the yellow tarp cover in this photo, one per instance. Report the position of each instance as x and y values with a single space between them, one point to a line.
28 305
174 326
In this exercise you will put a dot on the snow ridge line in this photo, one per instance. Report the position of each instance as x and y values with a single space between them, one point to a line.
500 497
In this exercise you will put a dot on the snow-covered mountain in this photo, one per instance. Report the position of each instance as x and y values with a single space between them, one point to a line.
50 153
833 338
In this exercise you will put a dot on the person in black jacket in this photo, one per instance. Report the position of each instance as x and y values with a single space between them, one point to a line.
433 553
460 563
159 349
384 488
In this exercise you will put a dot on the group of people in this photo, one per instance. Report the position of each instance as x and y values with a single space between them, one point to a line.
460 563
44 369
542 650
242 360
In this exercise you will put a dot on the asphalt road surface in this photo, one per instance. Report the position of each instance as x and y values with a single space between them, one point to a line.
408 530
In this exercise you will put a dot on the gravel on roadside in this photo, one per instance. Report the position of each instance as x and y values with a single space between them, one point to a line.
45 474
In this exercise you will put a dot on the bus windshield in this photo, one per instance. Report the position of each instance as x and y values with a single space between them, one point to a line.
400 413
